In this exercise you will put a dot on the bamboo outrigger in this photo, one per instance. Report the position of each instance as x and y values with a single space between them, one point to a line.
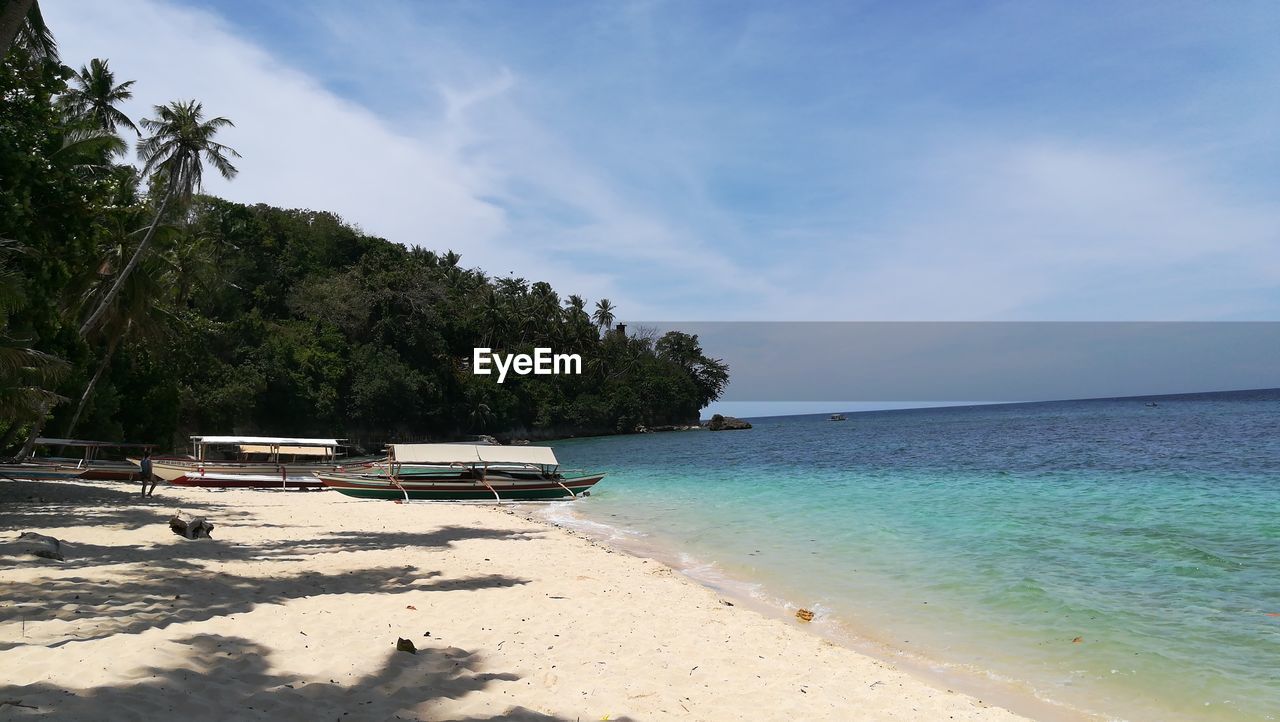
90 465
257 462
457 472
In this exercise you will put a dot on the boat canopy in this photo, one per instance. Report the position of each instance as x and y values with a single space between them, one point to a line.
84 443
295 450
471 454
267 441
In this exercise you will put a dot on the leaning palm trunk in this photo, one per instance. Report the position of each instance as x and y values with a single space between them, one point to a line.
110 298
93 382
36 428
9 434
12 16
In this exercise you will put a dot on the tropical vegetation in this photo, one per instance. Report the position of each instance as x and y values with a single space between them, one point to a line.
133 306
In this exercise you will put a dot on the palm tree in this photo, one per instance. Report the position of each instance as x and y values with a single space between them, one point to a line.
575 307
513 288
89 150
180 137
603 316
578 327
22 23
142 313
493 317
94 95
25 373
544 308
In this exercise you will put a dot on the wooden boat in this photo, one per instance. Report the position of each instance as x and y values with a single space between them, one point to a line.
222 480
37 471
91 465
257 462
459 472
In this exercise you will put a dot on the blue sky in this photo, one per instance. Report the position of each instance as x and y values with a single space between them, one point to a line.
761 161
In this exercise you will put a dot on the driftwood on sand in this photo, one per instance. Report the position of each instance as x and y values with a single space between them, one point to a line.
30 543
189 525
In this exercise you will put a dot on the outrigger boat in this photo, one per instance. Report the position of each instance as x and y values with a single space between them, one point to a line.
253 462
91 465
38 471
457 472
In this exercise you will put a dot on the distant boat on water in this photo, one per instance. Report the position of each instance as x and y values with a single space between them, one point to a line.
838 417
458 472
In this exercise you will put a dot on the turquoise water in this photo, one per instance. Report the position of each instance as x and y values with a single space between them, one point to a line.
987 539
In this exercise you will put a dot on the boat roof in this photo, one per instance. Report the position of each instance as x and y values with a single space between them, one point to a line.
42 441
472 454
284 449
265 441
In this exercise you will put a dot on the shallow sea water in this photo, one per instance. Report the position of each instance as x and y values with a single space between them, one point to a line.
1111 556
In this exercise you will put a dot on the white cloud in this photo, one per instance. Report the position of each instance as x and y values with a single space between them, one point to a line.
305 147
302 146
978 230
1049 231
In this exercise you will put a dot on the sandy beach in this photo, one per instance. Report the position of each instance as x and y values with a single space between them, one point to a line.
293 611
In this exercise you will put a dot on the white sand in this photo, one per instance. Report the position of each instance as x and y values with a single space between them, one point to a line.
293 609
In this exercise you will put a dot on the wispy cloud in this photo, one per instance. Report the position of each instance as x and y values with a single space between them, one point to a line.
1045 230
831 161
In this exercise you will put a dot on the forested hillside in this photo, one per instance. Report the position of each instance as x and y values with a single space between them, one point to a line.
132 306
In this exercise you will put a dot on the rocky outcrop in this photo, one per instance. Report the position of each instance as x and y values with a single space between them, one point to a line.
674 427
726 423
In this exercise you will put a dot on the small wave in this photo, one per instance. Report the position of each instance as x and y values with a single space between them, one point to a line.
566 516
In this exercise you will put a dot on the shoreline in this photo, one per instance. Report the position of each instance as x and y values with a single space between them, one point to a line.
977 683
295 606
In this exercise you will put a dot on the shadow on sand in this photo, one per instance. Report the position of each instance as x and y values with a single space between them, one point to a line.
157 589
405 687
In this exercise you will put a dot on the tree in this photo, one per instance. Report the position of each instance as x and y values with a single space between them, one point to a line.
603 316
180 138
142 313
93 96
709 375
25 373
202 314
21 23
57 185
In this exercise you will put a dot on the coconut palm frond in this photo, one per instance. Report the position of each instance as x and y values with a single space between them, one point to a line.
35 36
93 95
87 143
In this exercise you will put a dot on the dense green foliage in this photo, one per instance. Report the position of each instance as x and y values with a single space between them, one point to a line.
253 319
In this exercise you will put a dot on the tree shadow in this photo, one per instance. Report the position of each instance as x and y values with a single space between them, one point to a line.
176 581
58 504
139 599
221 668
178 553
347 541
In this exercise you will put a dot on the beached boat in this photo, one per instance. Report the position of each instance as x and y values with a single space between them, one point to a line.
458 472
91 464
257 462
39 471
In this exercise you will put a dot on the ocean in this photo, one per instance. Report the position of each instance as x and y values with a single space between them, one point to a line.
1105 556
